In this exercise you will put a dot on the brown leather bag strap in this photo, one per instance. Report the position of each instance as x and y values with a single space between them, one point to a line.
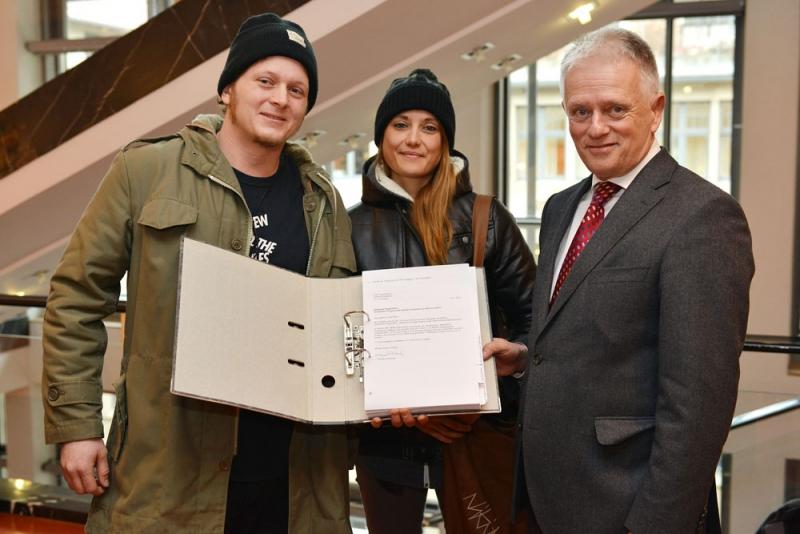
480 227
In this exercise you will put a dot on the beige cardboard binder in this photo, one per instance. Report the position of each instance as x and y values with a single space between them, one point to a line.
263 338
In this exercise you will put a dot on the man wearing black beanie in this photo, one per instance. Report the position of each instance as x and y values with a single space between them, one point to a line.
269 35
174 464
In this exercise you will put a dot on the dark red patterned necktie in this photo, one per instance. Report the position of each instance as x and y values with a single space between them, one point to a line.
591 221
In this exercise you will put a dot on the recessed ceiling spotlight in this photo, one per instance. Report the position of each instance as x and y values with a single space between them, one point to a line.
583 13
352 141
40 275
507 62
478 53
309 140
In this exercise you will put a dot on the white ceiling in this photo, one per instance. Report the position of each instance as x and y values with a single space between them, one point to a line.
361 45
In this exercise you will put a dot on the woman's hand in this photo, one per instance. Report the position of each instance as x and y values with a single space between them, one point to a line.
399 417
445 428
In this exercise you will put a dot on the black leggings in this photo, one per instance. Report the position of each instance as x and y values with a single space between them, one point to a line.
390 508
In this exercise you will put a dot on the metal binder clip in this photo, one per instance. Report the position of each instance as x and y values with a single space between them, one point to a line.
354 350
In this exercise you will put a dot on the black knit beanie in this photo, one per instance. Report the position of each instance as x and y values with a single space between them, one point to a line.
267 35
419 90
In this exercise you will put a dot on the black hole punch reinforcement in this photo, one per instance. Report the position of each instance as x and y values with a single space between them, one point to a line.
328 381
297 325
296 362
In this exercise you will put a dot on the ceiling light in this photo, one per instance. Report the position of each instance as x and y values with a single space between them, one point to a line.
20 293
309 140
352 141
478 53
687 89
583 13
506 62
40 275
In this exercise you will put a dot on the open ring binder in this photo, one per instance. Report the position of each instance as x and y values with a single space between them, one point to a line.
283 355
354 350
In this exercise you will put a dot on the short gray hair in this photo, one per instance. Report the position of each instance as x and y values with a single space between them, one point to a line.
616 41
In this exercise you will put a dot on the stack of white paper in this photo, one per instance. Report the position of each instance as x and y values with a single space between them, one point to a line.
423 339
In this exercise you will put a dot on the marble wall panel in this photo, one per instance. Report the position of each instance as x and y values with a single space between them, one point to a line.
177 40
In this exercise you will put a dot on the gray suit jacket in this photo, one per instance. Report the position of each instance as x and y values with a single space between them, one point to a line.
634 370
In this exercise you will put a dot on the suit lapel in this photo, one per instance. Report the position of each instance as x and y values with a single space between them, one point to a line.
564 211
642 195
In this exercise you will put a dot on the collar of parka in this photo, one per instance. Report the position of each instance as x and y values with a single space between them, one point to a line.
203 154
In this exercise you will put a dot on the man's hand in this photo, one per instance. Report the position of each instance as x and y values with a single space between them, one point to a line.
445 428
84 464
509 357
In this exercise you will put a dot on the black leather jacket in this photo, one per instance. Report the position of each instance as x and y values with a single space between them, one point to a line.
384 238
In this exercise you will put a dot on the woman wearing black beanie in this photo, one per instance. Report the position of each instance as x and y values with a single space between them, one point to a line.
417 209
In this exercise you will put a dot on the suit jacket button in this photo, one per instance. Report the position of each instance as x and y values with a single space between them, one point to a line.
53 393
236 244
536 359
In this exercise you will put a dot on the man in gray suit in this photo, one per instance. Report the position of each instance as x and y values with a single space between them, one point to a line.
640 311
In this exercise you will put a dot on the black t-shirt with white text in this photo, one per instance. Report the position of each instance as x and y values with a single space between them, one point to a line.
280 238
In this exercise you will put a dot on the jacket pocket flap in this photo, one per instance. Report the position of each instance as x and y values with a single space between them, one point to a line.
345 257
80 392
160 213
613 430
620 274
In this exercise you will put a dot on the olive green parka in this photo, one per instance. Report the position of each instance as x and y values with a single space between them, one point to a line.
170 456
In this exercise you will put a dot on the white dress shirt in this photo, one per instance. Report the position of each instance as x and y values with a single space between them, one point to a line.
623 181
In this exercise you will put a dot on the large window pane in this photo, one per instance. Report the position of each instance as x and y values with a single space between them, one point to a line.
725 146
690 135
103 18
345 172
517 135
551 158
702 93
530 232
